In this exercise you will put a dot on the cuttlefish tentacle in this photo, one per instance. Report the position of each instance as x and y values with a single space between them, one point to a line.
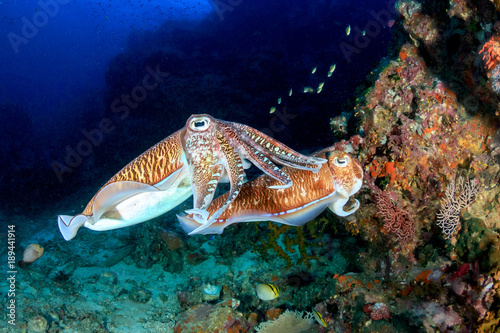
231 162
208 142
261 158
205 190
277 151
205 165
236 174
310 195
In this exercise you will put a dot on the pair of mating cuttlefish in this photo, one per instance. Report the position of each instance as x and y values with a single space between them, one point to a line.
194 159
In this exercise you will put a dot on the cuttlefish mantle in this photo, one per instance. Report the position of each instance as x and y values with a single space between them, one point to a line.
149 186
311 193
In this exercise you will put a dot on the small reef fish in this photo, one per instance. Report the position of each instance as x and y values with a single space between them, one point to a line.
271 111
267 291
319 318
363 32
314 70
331 70
320 87
308 90
32 253
348 30
290 92
310 194
279 100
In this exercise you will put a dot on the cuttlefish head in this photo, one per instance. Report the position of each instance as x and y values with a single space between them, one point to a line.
347 175
200 123
199 142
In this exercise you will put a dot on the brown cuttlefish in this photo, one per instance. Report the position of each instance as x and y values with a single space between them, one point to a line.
310 194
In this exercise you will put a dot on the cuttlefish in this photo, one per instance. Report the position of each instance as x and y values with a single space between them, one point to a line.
215 148
310 194
189 162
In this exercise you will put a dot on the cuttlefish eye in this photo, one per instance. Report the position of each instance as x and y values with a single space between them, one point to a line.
199 124
341 161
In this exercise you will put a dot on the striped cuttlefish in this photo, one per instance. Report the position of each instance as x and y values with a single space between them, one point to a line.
310 194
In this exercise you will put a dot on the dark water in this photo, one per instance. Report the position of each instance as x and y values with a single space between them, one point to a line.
65 63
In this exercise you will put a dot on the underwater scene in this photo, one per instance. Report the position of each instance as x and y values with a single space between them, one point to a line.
250 166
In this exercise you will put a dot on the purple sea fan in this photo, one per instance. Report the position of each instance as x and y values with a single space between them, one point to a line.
397 221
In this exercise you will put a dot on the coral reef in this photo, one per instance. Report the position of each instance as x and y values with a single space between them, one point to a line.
421 253
429 124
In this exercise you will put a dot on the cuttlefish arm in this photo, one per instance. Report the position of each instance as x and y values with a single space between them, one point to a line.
233 165
152 184
310 194
209 142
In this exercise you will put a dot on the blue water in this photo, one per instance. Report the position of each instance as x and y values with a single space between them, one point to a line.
74 110
64 63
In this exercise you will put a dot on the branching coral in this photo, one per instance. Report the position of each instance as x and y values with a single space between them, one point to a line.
459 195
397 221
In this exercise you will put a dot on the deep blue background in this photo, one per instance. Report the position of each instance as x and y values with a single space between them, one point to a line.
233 63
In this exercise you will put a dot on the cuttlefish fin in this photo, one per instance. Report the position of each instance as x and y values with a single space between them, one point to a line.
114 193
69 225
188 224
174 178
108 197
296 217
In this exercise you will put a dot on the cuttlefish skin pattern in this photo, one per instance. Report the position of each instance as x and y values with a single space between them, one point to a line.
159 171
190 161
214 147
310 194
151 167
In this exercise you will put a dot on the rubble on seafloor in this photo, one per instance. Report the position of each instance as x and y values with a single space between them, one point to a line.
430 118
